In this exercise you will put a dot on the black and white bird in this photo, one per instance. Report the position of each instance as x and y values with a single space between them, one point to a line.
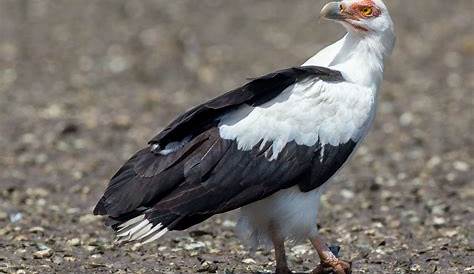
268 147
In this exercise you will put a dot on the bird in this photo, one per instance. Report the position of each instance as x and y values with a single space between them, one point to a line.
268 148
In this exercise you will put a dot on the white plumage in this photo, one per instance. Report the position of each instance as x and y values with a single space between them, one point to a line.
269 147
306 112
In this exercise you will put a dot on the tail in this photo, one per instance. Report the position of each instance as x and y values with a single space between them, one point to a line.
139 229
129 199
143 226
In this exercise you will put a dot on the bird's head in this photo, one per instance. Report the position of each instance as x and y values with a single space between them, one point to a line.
365 17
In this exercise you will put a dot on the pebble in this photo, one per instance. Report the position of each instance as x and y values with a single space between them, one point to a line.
415 268
439 221
195 245
16 217
207 266
300 249
42 254
74 242
36 229
249 261
58 260
461 166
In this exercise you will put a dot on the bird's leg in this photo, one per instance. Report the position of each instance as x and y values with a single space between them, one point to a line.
329 262
280 255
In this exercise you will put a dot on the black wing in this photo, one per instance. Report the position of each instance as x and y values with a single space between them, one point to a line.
209 175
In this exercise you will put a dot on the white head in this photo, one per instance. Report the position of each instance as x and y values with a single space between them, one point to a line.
366 18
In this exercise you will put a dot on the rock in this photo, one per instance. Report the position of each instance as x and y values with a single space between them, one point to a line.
207 266
36 229
69 258
42 254
74 242
195 245
300 249
461 166
58 260
439 221
249 261
16 217
415 268
347 194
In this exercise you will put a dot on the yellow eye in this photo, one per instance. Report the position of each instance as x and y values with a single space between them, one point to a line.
367 11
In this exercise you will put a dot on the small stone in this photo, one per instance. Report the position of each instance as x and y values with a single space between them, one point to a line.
249 261
90 248
162 248
16 217
96 265
300 249
20 238
193 246
450 233
439 221
461 166
57 260
347 194
207 266
415 268
36 229
469 269
406 119
69 259
74 242
42 254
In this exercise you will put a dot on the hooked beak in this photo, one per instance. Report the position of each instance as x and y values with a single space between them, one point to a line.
333 11
338 12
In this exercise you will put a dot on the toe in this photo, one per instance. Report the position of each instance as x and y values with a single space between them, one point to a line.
338 267
342 267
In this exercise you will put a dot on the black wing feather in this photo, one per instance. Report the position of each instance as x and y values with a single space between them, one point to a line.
210 175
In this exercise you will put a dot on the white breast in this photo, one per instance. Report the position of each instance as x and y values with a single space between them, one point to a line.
307 112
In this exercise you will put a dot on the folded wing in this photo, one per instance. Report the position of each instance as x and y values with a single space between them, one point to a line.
189 173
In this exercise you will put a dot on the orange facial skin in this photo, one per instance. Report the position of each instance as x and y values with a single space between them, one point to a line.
361 10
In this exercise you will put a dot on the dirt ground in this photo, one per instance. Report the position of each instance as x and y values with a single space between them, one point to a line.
84 84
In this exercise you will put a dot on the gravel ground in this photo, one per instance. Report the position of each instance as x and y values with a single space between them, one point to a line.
84 84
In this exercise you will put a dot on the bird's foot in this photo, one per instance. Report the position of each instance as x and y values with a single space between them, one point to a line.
336 266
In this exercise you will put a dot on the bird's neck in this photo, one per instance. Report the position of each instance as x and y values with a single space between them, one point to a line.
360 59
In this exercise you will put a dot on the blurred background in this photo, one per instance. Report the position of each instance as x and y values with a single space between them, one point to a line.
84 84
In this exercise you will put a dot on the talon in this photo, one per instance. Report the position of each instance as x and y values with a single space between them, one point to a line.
333 267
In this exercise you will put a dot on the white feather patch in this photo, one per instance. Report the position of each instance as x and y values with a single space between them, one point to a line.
308 112
155 236
132 221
